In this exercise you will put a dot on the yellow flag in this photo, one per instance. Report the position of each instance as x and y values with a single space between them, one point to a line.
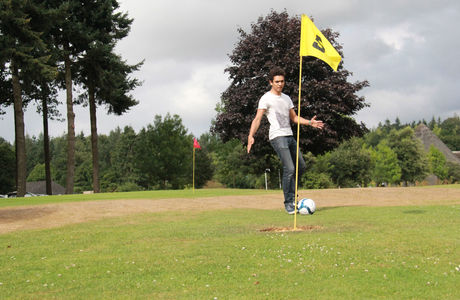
313 43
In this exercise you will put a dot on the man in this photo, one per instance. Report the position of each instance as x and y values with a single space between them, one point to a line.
279 109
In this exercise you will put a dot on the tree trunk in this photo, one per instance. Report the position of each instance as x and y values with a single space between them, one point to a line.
70 129
21 169
94 148
46 148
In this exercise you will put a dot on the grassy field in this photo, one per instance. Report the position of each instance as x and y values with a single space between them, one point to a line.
354 253
199 193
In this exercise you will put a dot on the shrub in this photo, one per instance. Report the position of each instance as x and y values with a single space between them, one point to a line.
128 187
313 180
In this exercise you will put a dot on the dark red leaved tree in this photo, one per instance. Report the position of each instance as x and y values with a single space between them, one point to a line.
274 41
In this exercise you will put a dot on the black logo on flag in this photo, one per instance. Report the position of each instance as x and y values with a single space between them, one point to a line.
318 44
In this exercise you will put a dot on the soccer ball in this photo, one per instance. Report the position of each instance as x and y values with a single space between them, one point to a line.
306 206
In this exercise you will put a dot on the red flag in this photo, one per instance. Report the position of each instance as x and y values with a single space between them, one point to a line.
195 144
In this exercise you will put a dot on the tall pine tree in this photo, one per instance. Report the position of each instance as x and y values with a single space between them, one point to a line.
22 54
70 37
103 73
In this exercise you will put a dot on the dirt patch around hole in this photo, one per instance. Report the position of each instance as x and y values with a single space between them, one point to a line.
291 229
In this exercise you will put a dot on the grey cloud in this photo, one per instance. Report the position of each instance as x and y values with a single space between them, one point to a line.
185 46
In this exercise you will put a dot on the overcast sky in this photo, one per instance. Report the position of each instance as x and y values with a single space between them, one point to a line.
406 49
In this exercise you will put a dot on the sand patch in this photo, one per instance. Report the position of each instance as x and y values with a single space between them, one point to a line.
59 214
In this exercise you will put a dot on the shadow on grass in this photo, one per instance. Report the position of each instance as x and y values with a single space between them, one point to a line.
415 211
328 208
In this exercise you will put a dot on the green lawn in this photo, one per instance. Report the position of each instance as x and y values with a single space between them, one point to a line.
357 253
10 202
131 195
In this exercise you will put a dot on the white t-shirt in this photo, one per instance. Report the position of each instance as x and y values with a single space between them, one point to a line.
277 111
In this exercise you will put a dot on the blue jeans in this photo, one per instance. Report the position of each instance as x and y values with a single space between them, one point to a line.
286 148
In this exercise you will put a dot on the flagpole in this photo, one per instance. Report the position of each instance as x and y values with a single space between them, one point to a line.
193 184
297 154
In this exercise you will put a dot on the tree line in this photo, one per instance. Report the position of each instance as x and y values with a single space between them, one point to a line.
59 44
159 156
47 45
387 155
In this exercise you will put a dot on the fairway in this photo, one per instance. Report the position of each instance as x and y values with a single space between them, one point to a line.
84 209
386 243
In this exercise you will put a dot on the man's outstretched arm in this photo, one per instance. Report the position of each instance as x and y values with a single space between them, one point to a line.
254 126
313 122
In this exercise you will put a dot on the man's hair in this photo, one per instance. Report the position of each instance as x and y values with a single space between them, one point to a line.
276 71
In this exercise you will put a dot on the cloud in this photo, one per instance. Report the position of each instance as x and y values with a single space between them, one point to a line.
187 31
397 36
407 50
412 104
194 99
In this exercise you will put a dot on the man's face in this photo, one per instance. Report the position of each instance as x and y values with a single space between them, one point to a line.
277 83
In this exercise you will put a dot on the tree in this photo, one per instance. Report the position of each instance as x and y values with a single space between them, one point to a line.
411 156
386 168
453 172
7 161
232 167
374 137
107 82
58 153
83 175
317 176
34 146
438 163
387 127
103 73
437 130
203 164
83 170
38 173
432 123
22 52
44 92
48 108
163 154
44 89
397 124
274 41
5 87
118 159
450 132
350 164
70 37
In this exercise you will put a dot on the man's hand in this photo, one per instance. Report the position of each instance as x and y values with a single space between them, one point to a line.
316 123
250 142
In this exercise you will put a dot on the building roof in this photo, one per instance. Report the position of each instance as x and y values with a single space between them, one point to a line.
39 187
428 138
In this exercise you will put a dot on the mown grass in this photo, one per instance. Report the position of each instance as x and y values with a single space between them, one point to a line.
356 253
162 194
